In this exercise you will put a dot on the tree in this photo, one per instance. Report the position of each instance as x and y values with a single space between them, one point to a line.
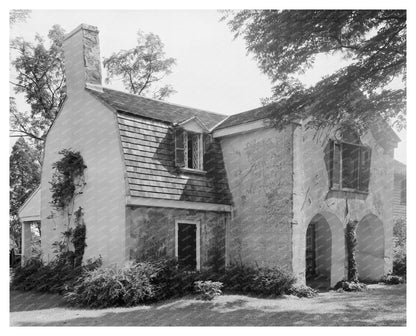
41 78
24 179
17 15
287 42
141 67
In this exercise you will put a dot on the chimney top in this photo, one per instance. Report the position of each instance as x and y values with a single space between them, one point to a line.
82 59
83 26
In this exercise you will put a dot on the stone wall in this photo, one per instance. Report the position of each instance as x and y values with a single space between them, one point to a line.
259 172
151 233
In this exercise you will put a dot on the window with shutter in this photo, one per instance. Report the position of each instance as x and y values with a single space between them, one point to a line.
350 166
189 150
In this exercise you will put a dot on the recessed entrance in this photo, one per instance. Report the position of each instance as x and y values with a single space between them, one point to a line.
318 253
187 245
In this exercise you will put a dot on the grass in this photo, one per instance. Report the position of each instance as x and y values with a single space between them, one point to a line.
380 305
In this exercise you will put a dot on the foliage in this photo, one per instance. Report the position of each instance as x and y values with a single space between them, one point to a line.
40 77
24 178
302 291
63 184
351 241
142 66
208 290
78 238
399 247
350 286
392 279
17 15
257 280
172 281
286 43
112 286
54 277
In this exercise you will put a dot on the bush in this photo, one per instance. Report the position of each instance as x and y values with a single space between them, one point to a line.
257 280
112 286
208 290
171 281
302 291
350 286
399 247
54 277
392 279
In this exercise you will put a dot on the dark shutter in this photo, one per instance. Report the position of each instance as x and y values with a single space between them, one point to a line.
335 165
179 147
365 164
350 155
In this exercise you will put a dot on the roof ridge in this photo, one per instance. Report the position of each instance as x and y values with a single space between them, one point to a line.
168 103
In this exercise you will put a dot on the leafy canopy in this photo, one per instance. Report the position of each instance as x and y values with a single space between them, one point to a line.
287 42
142 66
40 77
24 178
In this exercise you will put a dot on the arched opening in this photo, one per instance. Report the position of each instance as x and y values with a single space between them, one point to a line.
318 256
370 248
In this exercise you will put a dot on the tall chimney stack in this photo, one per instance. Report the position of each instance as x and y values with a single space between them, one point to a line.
82 59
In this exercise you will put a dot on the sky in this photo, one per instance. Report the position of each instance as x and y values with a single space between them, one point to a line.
213 70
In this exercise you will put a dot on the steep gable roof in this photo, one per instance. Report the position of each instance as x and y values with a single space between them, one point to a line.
155 109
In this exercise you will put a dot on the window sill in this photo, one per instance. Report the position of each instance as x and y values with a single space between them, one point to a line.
349 190
193 171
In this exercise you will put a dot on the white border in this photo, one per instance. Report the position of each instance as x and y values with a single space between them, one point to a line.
198 239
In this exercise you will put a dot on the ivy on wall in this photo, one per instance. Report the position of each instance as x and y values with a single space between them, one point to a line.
67 183
351 241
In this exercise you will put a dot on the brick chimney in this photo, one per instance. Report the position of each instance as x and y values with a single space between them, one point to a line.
82 59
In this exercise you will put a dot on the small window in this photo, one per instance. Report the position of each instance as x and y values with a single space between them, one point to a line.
189 149
403 192
350 166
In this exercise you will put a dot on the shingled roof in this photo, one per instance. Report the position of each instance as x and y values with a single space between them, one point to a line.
155 109
245 117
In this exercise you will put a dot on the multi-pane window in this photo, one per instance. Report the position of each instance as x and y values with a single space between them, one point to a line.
349 166
188 149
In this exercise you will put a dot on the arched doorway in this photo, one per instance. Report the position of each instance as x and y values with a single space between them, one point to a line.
318 254
370 248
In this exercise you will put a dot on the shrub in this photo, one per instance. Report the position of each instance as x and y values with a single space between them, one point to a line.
113 286
172 281
302 291
350 286
54 277
392 279
257 280
399 247
208 290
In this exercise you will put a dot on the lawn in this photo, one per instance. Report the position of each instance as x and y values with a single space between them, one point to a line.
380 305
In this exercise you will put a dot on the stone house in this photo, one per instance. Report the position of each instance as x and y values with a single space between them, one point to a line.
169 180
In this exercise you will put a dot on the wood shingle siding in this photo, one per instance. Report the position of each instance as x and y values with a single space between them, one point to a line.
148 148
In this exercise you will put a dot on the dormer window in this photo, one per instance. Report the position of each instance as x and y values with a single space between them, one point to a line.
189 145
189 150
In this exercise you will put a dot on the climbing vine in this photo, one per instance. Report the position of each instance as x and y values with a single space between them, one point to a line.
67 183
68 175
351 241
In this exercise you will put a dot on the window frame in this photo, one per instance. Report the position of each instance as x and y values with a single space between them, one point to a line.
201 152
198 239
339 185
